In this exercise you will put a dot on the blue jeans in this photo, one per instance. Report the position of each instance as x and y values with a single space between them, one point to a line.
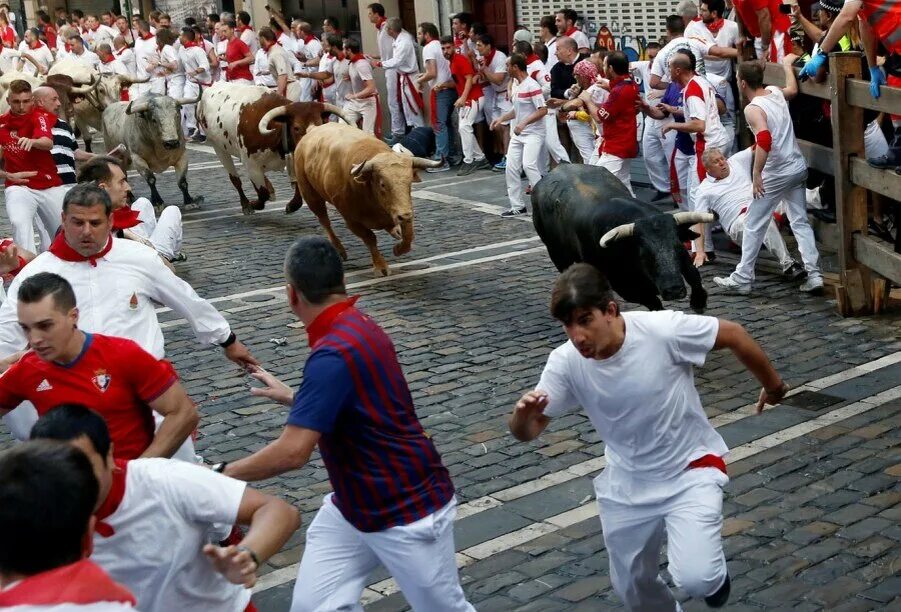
444 108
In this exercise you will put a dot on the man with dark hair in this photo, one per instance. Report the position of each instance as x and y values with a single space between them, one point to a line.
248 36
404 65
437 74
675 30
155 518
26 141
238 55
527 142
115 375
361 104
469 102
492 69
37 50
633 375
145 52
617 115
48 492
376 15
547 34
280 66
388 478
565 20
461 25
562 79
325 75
88 257
331 27
779 175
714 29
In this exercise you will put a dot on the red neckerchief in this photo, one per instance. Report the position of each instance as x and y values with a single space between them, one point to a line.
486 60
243 28
308 38
113 499
532 58
716 26
340 56
320 326
356 57
190 43
82 582
61 249
124 218
38 44
380 22
67 47
108 60
146 36
571 31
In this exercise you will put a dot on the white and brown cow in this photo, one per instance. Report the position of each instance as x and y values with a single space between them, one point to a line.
365 180
245 121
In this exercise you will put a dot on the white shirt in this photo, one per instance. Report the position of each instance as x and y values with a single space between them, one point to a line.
250 39
193 58
403 55
727 196
498 63
784 159
127 57
160 528
88 58
642 400
104 295
551 53
260 69
385 42
342 79
42 55
144 50
9 59
699 102
432 53
726 37
115 67
660 65
580 38
537 71
360 72
527 98
311 49
327 64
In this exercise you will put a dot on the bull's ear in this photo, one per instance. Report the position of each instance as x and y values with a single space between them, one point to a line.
685 233
416 178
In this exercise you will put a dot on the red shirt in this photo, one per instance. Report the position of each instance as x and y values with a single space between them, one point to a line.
236 51
618 116
460 68
8 36
36 124
113 376
747 10
50 35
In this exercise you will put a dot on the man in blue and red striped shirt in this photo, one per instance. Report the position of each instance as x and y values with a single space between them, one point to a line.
393 500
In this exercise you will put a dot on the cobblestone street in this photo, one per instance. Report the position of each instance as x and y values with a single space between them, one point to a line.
813 509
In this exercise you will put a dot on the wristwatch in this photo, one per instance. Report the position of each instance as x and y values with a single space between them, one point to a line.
252 554
232 338
219 467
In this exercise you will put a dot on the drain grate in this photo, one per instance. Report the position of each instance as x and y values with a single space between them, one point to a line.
813 401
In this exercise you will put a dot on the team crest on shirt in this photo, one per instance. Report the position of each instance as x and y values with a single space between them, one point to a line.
133 302
101 380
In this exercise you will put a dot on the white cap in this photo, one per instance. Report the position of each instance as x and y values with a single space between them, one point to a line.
522 35
402 150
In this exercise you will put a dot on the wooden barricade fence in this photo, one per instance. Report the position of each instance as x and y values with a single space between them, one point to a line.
865 262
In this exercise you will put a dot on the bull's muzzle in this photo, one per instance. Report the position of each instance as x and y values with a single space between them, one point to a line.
170 144
676 292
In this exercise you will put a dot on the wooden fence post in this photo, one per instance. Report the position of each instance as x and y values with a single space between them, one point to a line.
854 294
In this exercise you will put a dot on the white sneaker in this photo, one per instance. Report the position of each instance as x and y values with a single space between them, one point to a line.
731 286
812 285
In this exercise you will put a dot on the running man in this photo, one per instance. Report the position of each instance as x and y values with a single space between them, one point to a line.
633 375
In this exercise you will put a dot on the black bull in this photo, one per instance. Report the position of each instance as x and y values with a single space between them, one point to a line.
578 208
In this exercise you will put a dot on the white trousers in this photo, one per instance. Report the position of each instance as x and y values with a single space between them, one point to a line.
165 233
306 90
657 150
398 124
158 85
189 111
760 213
684 166
338 559
468 116
620 167
293 90
523 154
772 240
552 138
137 90
362 109
689 510
583 138
874 142
22 203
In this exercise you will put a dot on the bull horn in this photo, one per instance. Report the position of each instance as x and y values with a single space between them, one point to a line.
422 162
189 101
620 231
690 218
86 89
129 80
278 111
331 108
358 170
137 107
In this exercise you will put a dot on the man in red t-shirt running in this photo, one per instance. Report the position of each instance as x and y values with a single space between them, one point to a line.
470 102
26 139
114 376
238 55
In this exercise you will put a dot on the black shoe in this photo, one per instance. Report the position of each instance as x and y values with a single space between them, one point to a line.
719 599
890 160
179 257
711 256
795 272
466 170
515 212
482 164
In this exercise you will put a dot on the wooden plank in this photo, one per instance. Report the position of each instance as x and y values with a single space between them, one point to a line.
879 256
775 75
858 94
851 200
884 182
818 157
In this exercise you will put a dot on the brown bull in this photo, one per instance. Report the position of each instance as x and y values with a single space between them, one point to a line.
364 179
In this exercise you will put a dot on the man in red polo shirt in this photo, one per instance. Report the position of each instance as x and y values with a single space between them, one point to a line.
617 114
115 376
26 139
767 25
238 55
470 103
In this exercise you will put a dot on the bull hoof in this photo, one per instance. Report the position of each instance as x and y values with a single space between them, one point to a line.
257 205
246 209
293 206
401 249
698 301
380 272
193 204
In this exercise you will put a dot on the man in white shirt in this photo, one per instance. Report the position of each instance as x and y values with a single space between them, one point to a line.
125 55
376 15
713 29
117 285
37 51
82 55
632 373
565 21
405 66
675 30
308 50
493 75
155 519
779 175
279 65
727 192
145 51
246 32
48 493
437 71
98 33
361 103
195 62
524 151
